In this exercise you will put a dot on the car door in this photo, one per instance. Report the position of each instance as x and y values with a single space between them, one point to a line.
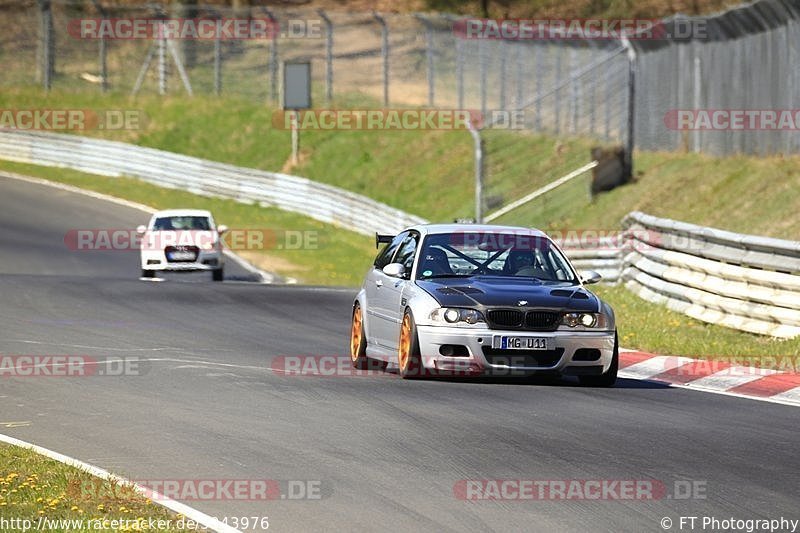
393 290
377 328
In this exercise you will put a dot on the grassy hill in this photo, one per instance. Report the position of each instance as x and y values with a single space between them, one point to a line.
430 173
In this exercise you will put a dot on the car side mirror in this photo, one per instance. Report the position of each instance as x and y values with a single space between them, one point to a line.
141 229
222 228
590 276
395 270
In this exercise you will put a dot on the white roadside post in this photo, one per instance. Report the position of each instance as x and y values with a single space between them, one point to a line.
296 95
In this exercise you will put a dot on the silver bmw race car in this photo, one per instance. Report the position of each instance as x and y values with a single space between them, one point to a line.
481 300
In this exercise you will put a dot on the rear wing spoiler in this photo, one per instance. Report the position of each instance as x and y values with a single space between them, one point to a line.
382 239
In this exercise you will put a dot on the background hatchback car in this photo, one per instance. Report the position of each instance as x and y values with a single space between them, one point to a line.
182 240
474 300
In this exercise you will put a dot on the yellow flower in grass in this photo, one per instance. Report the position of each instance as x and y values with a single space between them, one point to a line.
74 508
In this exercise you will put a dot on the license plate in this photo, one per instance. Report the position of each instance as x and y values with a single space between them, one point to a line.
521 343
181 256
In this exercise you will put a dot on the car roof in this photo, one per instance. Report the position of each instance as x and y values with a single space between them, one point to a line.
183 213
435 229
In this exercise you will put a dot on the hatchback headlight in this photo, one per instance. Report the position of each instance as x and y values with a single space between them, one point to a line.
456 315
586 320
207 246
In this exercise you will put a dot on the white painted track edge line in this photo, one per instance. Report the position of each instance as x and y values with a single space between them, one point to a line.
173 505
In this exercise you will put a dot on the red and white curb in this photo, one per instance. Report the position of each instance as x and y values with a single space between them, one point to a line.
720 377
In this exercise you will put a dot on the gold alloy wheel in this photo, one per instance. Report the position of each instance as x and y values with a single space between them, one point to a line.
404 354
355 334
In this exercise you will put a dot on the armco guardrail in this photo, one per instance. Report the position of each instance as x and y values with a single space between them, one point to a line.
291 193
740 281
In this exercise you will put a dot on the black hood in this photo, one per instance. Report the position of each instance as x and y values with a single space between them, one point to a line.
495 291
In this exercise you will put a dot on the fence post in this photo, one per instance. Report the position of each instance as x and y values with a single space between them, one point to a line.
460 71
503 52
384 56
698 94
628 163
328 55
520 96
607 122
102 49
162 60
482 60
217 62
478 147
538 87
46 44
273 56
572 106
428 57
557 95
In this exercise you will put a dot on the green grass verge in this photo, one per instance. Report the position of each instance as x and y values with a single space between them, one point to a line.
339 257
33 487
408 169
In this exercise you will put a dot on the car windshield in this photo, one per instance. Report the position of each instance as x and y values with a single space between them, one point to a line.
505 254
182 223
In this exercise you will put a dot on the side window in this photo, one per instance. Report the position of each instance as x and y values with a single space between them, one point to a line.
385 256
407 252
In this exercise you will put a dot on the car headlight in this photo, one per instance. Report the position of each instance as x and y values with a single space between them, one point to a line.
207 246
586 320
456 315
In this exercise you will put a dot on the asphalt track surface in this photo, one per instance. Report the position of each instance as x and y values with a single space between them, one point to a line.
207 404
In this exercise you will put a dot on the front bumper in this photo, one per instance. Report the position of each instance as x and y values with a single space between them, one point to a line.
562 358
206 260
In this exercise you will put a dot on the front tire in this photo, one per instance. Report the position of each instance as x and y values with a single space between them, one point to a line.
408 353
148 273
610 377
218 274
